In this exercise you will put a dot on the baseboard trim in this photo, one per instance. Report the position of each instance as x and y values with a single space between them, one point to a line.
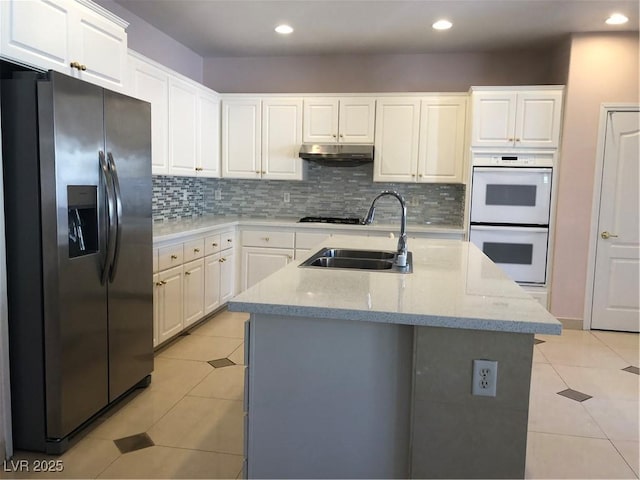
572 323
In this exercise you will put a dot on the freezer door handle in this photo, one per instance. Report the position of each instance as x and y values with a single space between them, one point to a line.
111 217
118 215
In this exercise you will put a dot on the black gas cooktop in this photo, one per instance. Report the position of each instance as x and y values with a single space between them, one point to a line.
347 221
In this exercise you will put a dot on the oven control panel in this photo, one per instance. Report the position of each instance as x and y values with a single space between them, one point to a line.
513 160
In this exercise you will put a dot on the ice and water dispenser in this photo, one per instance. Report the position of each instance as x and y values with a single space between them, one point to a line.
82 201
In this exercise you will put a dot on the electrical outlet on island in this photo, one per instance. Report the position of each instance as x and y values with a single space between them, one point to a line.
484 378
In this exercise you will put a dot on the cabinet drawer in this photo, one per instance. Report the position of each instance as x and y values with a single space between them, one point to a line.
265 238
212 244
193 249
170 256
227 239
307 240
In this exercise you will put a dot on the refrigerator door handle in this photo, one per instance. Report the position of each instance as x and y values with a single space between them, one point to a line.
111 217
118 219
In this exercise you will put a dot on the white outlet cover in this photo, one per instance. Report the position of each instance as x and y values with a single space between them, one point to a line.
485 378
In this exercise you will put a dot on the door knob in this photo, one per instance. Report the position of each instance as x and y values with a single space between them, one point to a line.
606 235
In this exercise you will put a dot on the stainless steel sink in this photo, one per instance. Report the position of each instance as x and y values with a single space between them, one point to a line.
374 254
378 260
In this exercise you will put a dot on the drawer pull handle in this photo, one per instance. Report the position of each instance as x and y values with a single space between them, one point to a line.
174 257
196 250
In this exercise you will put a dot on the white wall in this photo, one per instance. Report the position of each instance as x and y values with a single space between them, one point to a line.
602 68
146 39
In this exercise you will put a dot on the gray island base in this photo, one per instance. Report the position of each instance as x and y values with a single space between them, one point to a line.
369 375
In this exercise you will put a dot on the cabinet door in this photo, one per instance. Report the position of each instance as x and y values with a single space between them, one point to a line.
494 115
241 139
258 263
442 139
356 120
193 291
396 140
208 136
157 286
538 116
212 266
170 312
320 120
101 46
152 85
281 139
37 32
182 128
227 276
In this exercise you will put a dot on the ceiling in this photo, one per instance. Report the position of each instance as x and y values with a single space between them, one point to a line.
245 27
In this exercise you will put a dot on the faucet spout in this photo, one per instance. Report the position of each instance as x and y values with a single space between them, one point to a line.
401 257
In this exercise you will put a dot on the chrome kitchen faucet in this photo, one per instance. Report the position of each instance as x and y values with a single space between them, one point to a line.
401 257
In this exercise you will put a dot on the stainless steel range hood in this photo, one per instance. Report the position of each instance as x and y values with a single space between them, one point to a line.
337 155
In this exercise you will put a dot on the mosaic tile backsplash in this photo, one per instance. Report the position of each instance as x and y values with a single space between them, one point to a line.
328 191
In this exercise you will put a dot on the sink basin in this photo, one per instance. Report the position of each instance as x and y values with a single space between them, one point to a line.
378 260
373 254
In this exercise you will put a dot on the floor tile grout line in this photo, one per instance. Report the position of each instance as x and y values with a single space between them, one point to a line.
623 457
608 346
569 434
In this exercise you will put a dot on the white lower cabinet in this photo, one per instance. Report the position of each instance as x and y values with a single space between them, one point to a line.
169 307
265 252
196 278
193 291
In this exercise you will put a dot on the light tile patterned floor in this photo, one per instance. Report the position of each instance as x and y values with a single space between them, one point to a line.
193 412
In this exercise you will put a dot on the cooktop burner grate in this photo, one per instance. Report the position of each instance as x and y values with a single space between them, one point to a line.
347 221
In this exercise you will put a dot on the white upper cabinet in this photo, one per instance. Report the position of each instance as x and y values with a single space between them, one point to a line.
241 138
420 139
182 128
151 84
343 120
516 118
442 139
185 119
208 145
281 139
397 137
261 138
80 39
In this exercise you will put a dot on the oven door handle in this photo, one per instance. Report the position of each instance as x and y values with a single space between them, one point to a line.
547 170
513 228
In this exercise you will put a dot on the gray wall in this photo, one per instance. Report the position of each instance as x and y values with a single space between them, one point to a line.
146 39
378 73
340 192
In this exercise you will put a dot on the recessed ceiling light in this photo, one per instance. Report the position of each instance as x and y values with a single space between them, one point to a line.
616 19
442 25
284 29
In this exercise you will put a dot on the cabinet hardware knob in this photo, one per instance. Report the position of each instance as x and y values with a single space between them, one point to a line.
263 172
333 135
413 175
289 257
266 239
196 250
229 240
341 136
187 273
174 257
258 172
163 282
83 67
199 169
221 260
214 244
517 139
159 284
420 175
75 65
605 235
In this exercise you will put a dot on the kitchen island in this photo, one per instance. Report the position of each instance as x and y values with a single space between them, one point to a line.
368 374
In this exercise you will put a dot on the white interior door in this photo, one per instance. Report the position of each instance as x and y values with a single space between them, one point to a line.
616 280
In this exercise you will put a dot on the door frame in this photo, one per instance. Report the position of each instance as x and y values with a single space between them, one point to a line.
605 110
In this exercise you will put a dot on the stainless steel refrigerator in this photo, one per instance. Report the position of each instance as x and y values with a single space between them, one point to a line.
77 180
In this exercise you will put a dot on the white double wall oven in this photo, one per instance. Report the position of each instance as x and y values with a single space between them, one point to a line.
511 211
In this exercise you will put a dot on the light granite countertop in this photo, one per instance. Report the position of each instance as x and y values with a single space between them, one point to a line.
174 229
453 285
